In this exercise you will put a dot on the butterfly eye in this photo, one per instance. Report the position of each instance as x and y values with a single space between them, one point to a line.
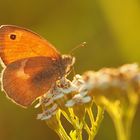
13 36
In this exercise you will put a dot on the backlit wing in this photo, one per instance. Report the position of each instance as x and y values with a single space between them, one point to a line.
26 79
18 43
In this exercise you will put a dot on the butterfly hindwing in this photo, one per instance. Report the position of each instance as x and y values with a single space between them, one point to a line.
26 79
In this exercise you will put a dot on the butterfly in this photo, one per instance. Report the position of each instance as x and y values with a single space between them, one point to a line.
31 64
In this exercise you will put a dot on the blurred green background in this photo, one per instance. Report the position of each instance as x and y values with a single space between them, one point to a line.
111 29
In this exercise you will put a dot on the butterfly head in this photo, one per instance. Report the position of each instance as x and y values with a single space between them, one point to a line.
68 62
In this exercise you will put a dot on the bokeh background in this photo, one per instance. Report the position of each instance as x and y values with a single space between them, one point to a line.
111 29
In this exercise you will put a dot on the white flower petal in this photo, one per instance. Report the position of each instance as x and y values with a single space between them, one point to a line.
54 107
70 103
83 93
48 113
90 84
129 67
39 116
46 117
103 81
77 96
49 102
78 80
78 76
86 99
37 105
58 96
43 116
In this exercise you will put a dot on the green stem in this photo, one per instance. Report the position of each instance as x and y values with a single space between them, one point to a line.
92 121
120 129
115 112
76 124
94 124
99 118
61 131
122 114
70 116
90 113
134 100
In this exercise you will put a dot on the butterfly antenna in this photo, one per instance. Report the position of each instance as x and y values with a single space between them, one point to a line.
83 44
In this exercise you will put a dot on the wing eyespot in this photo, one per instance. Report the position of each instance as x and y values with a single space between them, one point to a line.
13 36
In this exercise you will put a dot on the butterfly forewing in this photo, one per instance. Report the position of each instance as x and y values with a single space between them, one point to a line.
18 43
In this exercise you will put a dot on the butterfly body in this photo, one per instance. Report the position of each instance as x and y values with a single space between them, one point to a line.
32 65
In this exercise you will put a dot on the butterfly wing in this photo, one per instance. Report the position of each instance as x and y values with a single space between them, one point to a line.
26 79
18 43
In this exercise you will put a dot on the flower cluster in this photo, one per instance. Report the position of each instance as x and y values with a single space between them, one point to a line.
63 95
113 83
75 98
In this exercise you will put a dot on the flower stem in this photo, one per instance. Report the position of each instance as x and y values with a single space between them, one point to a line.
120 129
122 114
70 116
94 123
90 113
58 129
76 124
63 133
99 118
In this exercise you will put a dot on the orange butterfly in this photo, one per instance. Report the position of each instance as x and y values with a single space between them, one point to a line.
31 64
